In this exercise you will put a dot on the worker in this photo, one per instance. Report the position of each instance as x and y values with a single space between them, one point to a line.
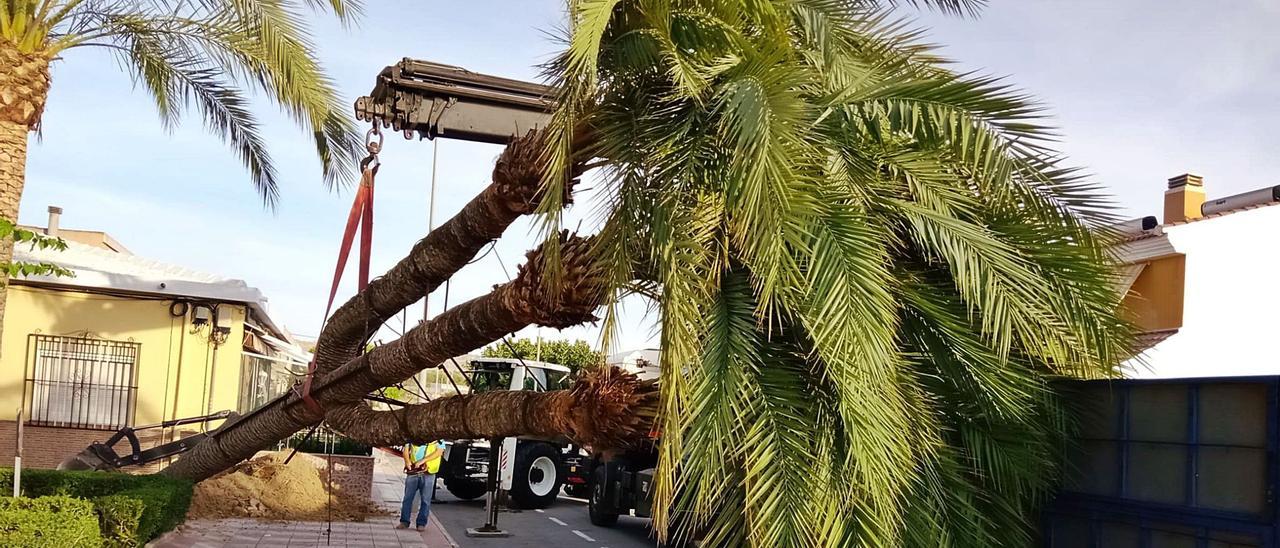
421 462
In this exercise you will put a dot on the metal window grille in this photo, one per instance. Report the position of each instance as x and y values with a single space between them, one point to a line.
82 383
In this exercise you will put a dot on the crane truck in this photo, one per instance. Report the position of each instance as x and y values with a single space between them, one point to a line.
532 469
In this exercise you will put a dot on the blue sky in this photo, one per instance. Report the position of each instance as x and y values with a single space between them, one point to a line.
1143 90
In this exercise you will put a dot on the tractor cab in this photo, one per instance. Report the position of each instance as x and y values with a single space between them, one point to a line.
488 374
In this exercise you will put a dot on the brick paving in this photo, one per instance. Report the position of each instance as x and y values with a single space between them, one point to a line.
378 532
248 533
388 480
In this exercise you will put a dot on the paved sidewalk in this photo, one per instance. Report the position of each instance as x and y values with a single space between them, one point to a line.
378 532
249 533
388 480
388 491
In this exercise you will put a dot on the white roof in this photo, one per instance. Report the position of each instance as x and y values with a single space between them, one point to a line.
630 357
643 362
98 268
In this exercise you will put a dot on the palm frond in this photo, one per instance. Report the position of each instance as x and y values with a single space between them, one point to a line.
867 261
178 78
203 54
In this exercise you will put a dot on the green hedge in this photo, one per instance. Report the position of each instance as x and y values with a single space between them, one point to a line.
163 501
164 508
118 520
48 522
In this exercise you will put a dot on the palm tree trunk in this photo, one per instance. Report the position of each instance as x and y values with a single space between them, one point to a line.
24 85
509 307
13 160
605 408
513 192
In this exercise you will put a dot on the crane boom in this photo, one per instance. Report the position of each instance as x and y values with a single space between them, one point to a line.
436 100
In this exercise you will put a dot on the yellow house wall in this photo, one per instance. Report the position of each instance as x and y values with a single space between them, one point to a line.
174 366
1156 297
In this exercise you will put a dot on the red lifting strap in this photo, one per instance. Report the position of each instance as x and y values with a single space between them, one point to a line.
361 216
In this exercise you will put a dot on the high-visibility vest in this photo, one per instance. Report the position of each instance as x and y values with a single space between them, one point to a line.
433 464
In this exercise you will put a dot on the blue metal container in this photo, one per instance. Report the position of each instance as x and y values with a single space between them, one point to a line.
1170 464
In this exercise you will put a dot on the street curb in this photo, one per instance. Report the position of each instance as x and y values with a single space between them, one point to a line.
442 535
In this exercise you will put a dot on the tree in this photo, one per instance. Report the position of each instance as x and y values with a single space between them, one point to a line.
872 268
869 272
11 231
575 355
604 409
183 54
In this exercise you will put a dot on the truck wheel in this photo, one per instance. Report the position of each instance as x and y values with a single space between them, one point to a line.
598 508
537 479
465 489
454 473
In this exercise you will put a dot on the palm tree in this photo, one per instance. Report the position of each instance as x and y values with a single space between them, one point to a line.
183 53
604 409
872 268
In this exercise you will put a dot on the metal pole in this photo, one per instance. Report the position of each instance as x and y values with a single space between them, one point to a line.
431 216
490 528
491 504
328 491
17 459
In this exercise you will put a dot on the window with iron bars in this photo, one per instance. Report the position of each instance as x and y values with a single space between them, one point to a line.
82 383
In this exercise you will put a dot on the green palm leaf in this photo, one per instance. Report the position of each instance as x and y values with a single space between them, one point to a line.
203 55
871 268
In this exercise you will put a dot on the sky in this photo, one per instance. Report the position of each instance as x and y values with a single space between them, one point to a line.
1142 90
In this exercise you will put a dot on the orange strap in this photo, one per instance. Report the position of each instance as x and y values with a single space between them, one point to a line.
361 216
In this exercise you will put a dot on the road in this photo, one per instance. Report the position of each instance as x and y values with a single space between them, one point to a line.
564 525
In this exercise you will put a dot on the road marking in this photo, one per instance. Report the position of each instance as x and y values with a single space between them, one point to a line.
539 510
559 522
583 535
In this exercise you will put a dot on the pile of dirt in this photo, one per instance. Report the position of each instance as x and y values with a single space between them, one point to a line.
267 488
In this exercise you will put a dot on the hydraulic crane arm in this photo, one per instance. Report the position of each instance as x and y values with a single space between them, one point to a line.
435 100
103 456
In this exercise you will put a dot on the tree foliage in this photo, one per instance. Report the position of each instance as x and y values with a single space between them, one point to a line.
35 240
204 54
576 355
872 267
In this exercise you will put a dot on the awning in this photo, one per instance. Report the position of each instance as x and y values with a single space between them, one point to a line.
1128 274
291 351
254 343
1147 340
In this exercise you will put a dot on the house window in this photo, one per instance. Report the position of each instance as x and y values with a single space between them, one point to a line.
263 378
82 383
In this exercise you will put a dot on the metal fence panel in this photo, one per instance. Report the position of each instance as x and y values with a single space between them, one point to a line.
1185 462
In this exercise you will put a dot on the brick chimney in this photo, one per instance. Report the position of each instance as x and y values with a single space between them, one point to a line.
55 215
1183 199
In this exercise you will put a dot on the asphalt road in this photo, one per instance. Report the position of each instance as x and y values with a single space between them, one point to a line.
564 525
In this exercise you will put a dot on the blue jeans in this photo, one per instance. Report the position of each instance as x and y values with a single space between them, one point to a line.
417 484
